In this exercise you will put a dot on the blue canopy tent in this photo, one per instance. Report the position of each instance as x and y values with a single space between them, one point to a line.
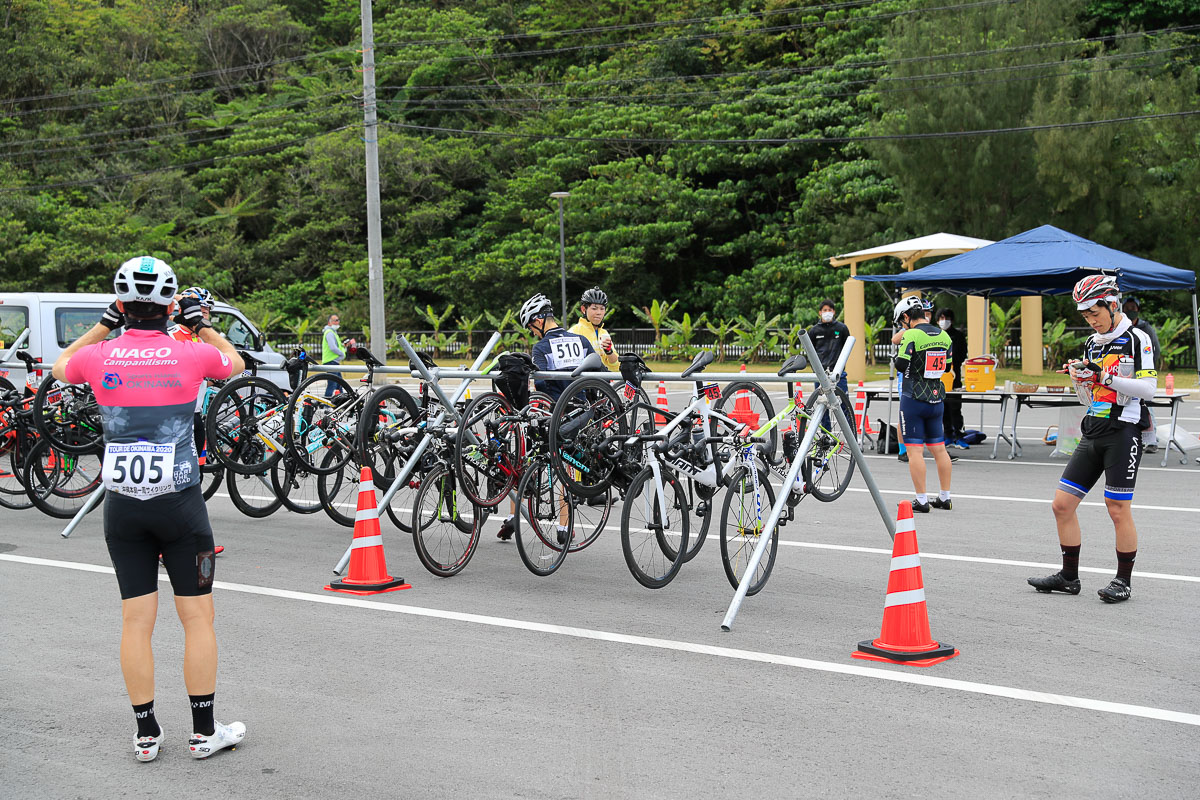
1044 261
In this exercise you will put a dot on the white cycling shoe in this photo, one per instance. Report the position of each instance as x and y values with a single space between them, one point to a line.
230 735
145 748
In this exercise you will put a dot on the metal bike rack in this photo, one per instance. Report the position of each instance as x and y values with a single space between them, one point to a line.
825 389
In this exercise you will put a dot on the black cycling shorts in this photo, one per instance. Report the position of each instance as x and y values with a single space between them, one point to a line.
920 422
1116 454
175 525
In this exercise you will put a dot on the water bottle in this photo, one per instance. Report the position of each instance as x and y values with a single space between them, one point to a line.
1170 383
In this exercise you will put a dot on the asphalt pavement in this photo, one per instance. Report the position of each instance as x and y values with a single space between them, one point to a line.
497 683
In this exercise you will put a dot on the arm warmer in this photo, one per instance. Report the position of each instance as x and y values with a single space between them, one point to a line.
1142 388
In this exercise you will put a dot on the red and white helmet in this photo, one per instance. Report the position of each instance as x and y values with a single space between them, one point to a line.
1093 289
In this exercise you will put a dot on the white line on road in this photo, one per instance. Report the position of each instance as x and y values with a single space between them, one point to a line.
1043 500
1059 464
875 673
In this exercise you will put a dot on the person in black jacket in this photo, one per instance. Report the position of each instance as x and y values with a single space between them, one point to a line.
828 336
952 419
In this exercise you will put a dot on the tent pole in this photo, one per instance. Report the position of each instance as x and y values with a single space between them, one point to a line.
1196 333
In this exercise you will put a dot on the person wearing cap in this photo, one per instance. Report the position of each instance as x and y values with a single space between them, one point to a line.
1112 379
593 305
1149 427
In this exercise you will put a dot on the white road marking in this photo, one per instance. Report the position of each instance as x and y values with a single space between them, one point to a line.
1043 500
875 673
1018 462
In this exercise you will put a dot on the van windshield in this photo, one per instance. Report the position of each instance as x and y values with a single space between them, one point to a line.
72 322
13 320
239 334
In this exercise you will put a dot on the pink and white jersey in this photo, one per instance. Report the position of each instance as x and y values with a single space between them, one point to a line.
146 384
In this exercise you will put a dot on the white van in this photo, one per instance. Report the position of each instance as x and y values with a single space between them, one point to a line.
54 320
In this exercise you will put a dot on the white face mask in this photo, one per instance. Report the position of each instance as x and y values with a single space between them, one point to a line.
944 324
826 316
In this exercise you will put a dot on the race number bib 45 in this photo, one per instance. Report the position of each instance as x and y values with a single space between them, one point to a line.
566 351
935 364
139 469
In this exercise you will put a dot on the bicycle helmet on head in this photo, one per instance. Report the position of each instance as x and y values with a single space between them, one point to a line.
594 295
907 305
536 307
203 295
146 279
1093 289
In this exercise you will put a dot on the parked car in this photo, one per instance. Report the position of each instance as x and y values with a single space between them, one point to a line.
56 319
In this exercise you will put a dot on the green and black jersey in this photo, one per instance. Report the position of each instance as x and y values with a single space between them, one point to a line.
925 351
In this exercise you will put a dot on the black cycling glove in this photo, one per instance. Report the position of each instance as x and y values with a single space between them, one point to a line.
191 314
113 317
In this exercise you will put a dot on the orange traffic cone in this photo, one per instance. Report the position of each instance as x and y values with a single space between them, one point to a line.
905 637
661 402
368 570
860 404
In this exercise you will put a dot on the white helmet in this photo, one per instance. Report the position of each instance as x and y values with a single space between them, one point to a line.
535 307
907 305
146 279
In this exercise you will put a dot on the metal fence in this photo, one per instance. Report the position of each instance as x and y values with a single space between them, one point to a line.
640 341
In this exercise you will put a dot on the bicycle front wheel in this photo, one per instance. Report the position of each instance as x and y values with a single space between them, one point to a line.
322 417
253 495
545 537
60 483
489 450
244 425
829 464
440 514
654 529
743 517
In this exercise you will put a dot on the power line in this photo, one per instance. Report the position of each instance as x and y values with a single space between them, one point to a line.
784 141
203 162
701 36
799 70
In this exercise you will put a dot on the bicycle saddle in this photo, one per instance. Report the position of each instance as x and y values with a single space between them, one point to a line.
250 360
30 361
591 363
793 364
367 357
426 359
702 360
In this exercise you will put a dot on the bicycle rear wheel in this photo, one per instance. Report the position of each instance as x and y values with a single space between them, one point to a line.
252 494
542 543
68 416
489 450
589 516
387 432
244 425
295 487
322 417
829 465
338 491
587 427
743 517
749 404
60 483
440 512
654 529
12 469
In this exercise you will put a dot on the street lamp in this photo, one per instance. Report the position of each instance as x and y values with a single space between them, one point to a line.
562 248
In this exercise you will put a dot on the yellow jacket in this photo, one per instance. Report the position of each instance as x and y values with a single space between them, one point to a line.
592 334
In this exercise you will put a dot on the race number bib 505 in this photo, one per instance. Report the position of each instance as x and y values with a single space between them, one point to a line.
935 364
139 469
566 351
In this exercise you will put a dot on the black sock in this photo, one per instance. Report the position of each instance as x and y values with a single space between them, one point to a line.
147 724
1125 565
202 714
1070 555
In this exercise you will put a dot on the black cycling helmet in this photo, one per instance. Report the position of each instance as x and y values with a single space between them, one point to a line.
594 295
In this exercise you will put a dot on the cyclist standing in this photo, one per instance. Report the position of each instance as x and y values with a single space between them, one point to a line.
145 384
556 349
332 351
593 305
925 350
1116 374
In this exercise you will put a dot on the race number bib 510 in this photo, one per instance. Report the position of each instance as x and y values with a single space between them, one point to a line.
566 351
935 364
139 469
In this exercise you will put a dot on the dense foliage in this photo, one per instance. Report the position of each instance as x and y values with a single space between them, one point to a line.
227 138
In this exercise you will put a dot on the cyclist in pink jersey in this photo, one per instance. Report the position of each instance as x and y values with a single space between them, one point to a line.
146 384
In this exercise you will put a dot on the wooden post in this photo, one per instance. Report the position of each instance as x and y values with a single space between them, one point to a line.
1031 335
854 315
976 326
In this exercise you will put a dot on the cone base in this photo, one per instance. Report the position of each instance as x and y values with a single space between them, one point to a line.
347 587
867 651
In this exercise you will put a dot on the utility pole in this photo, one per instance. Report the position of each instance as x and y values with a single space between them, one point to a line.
562 249
370 137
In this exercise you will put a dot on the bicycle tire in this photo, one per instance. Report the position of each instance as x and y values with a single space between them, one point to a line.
765 411
442 546
13 493
700 513
586 519
215 478
49 478
245 499
740 533
72 421
338 491
644 541
385 438
828 472
489 467
233 430
325 424
583 419
540 494
295 487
